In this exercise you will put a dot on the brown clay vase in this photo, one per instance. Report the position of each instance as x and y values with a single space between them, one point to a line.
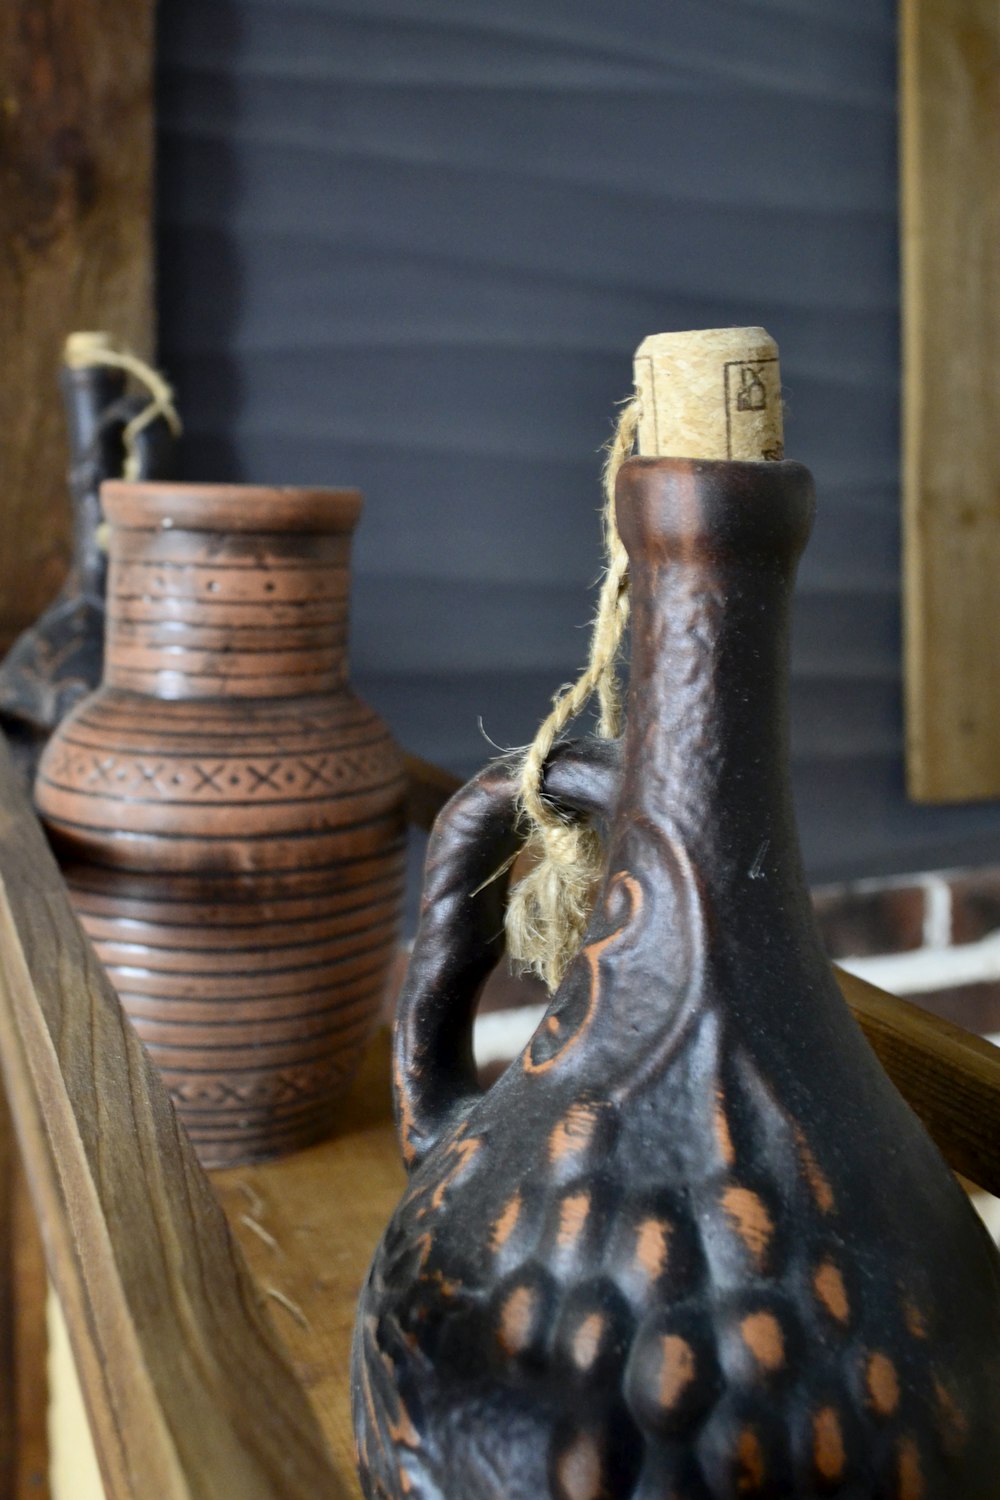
692 1245
229 816
57 661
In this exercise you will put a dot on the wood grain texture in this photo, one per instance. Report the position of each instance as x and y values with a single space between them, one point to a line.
949 1077
951 315
187 1391
308 1225
75 247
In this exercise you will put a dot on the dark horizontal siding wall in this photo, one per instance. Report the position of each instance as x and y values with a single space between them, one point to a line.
411 244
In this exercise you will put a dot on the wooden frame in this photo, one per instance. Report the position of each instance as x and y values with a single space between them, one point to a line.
950 170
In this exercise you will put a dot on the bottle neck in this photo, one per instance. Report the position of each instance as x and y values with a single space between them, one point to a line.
713 550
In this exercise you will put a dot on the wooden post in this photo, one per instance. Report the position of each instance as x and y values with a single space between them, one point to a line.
76 136
950 111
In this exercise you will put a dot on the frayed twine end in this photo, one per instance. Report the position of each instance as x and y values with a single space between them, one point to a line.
548 909
83 349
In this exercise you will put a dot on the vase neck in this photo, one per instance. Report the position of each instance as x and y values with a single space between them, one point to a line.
712 554
245 614
93 396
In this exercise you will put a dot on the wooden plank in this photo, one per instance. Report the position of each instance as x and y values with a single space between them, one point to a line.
308 1226
950 160
75 248
949 1077
188 1393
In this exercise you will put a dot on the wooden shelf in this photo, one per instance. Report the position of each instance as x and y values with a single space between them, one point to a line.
308 1225
210 1319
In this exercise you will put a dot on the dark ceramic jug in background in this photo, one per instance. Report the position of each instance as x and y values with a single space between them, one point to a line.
56 662
692 1244
229 816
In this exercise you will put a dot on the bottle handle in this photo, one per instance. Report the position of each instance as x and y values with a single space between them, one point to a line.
460 938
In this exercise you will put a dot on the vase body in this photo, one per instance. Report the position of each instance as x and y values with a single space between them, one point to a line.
58 660
692 1245
228 814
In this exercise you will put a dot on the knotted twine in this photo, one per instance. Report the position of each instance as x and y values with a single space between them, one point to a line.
548 909
84 349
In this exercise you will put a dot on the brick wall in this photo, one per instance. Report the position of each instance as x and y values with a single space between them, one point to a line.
934 937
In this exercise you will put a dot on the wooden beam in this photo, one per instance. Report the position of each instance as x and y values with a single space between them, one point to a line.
950 162
76 185
188 1393
949 1077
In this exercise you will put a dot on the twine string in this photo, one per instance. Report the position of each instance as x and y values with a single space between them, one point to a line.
94 349
549 908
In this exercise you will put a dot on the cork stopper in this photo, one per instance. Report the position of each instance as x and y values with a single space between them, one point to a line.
712 393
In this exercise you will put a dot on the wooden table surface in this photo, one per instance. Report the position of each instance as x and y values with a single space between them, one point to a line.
308 1224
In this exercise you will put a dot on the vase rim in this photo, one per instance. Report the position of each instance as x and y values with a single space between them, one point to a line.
161 505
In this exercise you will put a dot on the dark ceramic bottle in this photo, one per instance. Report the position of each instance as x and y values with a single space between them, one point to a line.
57 662
692 1244
229 816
